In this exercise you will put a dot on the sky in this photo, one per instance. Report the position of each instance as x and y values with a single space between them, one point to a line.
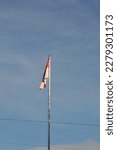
30 30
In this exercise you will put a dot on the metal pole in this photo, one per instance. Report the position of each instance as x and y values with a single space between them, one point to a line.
49 100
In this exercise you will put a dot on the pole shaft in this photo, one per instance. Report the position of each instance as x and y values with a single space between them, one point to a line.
49 101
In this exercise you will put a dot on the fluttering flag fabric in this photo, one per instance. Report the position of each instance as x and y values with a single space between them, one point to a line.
45 75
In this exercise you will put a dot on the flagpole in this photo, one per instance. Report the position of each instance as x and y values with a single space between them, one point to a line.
49 100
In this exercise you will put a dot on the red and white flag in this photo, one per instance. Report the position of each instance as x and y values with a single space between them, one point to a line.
45 75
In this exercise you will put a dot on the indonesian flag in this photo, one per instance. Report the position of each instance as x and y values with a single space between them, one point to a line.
45 75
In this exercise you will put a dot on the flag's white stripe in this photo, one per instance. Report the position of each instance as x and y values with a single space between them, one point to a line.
47 73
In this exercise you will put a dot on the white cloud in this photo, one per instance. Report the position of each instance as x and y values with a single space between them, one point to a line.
87 145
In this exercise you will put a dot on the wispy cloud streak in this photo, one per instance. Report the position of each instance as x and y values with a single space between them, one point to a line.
87 145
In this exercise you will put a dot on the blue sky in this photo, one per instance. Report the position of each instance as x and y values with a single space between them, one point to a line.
29 31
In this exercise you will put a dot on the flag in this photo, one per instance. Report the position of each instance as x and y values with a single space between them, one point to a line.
45 75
